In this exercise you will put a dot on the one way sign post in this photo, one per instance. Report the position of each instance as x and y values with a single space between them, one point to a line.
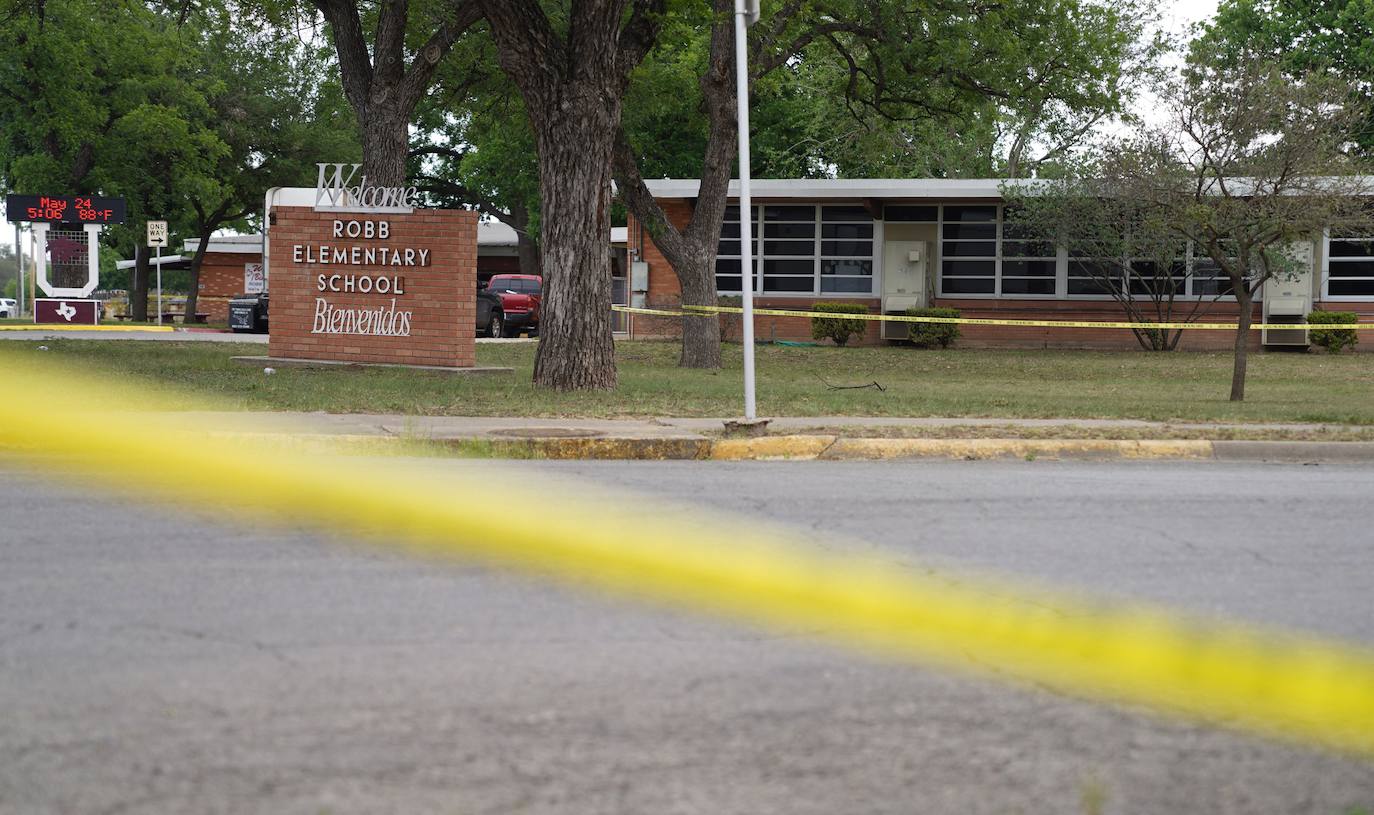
157 238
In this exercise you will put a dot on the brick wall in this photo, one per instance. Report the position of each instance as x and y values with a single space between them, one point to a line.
221 278
440 295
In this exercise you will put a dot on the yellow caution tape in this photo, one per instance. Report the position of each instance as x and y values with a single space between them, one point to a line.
1280 684
658 312
49 327
903 318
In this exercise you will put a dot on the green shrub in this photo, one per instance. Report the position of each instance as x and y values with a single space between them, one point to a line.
929 335
1334 340
838 329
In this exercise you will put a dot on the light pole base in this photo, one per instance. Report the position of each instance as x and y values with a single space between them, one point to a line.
746 427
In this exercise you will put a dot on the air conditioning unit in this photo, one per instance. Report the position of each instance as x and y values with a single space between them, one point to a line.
895 329
1288 299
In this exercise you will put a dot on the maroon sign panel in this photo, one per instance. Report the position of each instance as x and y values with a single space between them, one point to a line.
66 312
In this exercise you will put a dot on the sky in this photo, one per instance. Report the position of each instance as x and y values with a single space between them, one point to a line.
1176 17
1181 13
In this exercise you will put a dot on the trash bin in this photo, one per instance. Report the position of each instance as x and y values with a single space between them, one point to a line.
248 314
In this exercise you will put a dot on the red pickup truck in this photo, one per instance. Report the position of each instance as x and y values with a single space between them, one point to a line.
520 296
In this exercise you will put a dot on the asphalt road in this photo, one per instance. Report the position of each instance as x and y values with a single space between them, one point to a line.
158 661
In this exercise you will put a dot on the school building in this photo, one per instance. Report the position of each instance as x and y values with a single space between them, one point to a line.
892 244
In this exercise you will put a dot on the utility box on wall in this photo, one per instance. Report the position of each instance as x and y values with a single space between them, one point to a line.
1288 299
906 265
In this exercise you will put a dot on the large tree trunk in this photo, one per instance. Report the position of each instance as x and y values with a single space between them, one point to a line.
700 335
386 144
691 250
573 85
1242 344
528 252
526 247
193 290
574 138
138 290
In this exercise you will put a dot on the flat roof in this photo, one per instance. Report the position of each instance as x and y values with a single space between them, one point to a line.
918 189
167 260
240 244
845 188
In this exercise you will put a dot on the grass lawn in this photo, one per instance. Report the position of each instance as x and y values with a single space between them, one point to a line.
791 382
110 321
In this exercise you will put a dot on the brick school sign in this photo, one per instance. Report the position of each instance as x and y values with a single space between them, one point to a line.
362 285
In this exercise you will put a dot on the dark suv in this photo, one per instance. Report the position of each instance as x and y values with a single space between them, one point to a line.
491 318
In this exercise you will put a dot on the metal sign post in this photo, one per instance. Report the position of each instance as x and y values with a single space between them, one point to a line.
157 238
19 259
746 14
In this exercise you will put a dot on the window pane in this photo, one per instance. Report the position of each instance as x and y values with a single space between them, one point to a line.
785 213
1028 249
800 248
732 214
850 213
731 247
772 230
846 267
1079 285
1089 268
847 248
730 229
1352 268
847 285
984 231
728 283
1352 288
977 249
1352 248
968 285
909 213
1019 285
969 268
788 284
847 231
970 214
727 266
1028 268
1156 286
797 267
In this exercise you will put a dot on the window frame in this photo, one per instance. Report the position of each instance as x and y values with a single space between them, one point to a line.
816 258
1327 296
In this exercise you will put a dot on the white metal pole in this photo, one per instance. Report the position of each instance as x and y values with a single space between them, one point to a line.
19 282
746 237
159 285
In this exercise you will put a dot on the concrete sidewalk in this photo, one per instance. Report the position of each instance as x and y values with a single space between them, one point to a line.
799 438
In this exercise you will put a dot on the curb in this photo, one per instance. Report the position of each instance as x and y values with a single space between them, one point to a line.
808 447
1295 451
851 449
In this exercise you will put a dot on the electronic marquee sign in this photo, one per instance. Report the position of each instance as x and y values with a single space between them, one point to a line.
65 209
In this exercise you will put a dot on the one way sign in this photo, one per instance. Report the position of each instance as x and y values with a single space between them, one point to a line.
66 312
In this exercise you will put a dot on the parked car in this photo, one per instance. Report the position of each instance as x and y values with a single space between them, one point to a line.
8 307
491 318
520 298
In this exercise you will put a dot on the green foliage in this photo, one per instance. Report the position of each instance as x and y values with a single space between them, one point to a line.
1334 340
838 330
1302 36
190 114
930 335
